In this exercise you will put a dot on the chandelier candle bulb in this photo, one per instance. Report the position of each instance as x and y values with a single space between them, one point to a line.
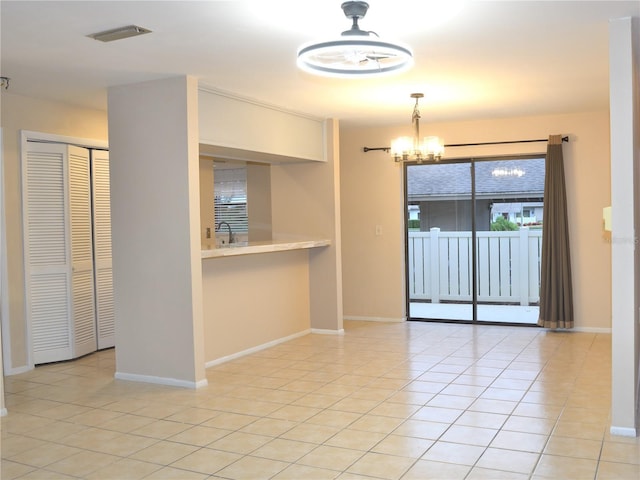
401 147
433 147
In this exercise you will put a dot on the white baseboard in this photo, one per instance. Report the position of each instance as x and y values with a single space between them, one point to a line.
171 382
248 351
17 370
375 319
579 330
623 431
325 331
592 330
3 412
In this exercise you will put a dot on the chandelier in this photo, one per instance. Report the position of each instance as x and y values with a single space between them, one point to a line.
406 149
356 53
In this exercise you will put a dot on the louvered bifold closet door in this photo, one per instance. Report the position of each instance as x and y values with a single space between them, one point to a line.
58 251
102 248
83 302
47 263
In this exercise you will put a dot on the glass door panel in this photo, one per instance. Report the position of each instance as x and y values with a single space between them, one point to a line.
509 199
439 241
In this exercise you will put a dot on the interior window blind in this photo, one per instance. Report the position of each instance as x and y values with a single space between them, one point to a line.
230 198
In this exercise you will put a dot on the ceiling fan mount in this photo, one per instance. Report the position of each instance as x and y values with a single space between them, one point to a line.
355 11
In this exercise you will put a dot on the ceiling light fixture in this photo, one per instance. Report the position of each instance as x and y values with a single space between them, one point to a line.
356 54
119 33
406 149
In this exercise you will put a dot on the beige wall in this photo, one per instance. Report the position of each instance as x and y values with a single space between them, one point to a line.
206 200
24 113
259 201
252 300
372 194
306 204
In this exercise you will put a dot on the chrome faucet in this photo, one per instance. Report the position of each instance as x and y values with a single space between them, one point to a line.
232 237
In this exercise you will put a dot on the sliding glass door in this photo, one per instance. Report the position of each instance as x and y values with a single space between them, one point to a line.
474 231
439 241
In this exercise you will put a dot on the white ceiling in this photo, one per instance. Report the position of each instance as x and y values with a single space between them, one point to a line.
473 59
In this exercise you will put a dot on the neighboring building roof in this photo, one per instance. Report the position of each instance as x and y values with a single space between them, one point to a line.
447 180
506 207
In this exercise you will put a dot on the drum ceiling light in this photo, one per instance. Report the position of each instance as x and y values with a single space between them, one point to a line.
356 53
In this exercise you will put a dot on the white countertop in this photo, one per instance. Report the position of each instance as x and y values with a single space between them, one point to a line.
248 248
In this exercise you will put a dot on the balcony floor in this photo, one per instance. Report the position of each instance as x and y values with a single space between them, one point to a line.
486 313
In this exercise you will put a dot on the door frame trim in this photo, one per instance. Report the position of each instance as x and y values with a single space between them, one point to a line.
405 205
25 137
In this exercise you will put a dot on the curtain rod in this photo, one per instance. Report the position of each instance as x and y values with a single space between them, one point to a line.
387 149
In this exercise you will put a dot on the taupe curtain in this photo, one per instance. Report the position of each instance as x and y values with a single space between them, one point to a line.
556 296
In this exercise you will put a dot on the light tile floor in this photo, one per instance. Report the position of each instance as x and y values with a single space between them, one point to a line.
385 401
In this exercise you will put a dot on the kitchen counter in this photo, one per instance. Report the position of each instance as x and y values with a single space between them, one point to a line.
249 248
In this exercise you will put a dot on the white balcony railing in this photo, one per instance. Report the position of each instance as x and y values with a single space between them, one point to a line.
508 266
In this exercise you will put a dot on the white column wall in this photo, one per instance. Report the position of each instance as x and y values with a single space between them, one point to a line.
155 205
624 124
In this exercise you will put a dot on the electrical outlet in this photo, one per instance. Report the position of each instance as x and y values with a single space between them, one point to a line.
208 232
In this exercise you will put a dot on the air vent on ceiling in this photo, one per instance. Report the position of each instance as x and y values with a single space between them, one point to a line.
119 33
